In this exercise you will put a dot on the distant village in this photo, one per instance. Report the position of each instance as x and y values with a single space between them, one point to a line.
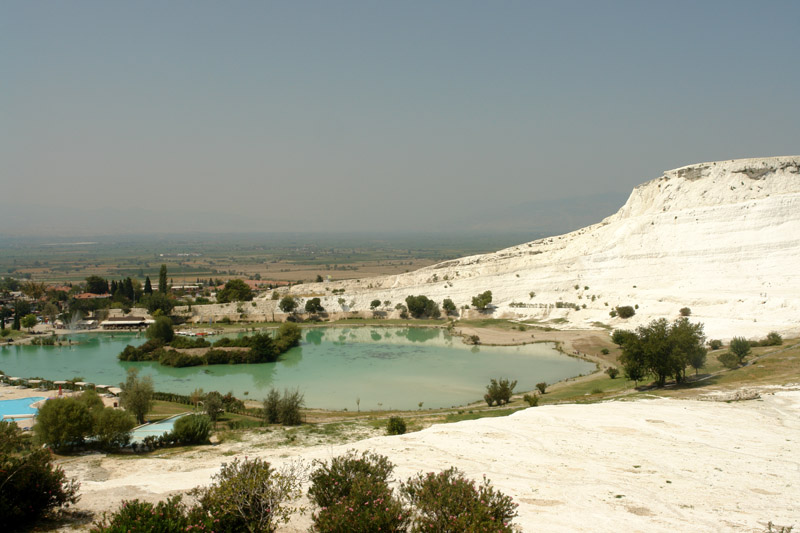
28 306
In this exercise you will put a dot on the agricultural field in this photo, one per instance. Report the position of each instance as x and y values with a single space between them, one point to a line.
277 257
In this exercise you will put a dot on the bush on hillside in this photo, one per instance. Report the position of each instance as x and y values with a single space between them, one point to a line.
395 426
192 429
499 391
625 311
448 501
30 485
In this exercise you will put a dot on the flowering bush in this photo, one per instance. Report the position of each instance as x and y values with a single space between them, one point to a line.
369 506
164 517
353 495
332 482
448 501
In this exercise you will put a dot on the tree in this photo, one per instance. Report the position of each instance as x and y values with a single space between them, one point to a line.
137 394
319 279
482 300
51 311
161 330
212 404
158 301
30 484
422 306
288 304
112 427
33 289
162 279
374 304
499 391
192 429
314 305
63 423
148 287
449 307
740 347
96 285
662 349
235 290
28 321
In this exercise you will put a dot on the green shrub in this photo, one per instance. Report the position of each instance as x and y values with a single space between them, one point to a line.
30 485
605 351
369 506
161 330
246 495
625 311
353 494
729 360
499 391
612 372
531 399
63 423
112 427
289 408
740 347
448 501
715 344
333 481
542 386
395 426
773 339
482 300
271 403
136 516
422 307
685 311
192 429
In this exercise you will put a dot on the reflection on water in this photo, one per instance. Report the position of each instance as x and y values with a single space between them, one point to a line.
394 367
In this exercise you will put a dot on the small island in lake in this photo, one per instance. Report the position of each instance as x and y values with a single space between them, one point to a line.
168 349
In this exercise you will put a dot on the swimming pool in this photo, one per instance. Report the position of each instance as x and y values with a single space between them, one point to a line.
22 406
156 429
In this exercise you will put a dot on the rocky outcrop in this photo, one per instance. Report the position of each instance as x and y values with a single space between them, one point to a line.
721 238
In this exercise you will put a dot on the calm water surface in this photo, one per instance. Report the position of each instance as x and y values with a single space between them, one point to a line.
386 368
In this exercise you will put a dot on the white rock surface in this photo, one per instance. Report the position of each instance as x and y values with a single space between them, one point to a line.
721 238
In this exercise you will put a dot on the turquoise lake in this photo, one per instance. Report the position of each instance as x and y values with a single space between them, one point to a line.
386 368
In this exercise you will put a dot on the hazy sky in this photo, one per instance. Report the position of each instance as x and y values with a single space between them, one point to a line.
326 116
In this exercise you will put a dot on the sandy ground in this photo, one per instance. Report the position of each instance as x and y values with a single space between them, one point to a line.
652 465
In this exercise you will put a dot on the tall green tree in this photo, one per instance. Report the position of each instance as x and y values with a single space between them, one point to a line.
63 423
235 290
162 279
482 300
161 330
137 394
661 349
148 287
96 285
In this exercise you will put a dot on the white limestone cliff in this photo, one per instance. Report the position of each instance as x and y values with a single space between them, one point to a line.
721 238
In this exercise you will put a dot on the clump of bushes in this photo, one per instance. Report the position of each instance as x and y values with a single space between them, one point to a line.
499 391
715 344
192 429
541 386
246 495
284 409
395 426
482 300
625 311
685 311
612 372
353 494
422 307
531 399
